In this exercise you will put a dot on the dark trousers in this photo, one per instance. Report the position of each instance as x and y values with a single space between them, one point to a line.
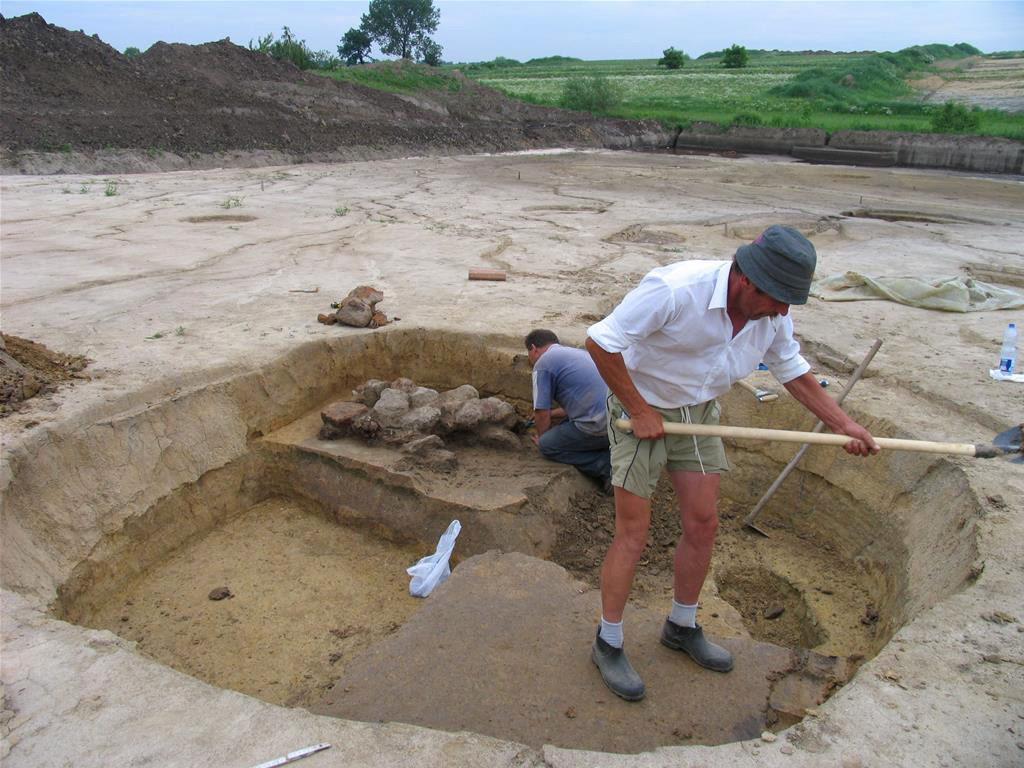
566 444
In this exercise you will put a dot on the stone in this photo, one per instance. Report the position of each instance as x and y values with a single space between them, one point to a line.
220 593
367 294
787 749
366 425
369 392
496 436
449 402
468 416
404 385
424 396
341 414
423 445
768 736
330 319
774 610
378 319
495 411
389 409
422 419
354 312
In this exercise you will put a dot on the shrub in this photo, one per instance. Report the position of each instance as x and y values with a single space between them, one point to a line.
734 57
955 118
594 93
672 59
131 52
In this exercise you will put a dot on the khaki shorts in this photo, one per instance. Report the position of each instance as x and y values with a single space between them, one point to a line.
637 464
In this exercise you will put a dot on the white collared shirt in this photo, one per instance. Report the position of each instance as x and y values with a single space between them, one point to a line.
676 339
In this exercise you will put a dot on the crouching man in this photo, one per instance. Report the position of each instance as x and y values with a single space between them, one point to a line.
576 432
680 339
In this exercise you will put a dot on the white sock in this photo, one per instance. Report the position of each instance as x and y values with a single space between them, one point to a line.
611 633
683 615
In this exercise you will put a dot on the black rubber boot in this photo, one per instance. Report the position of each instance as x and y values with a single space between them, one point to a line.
691 640
616 671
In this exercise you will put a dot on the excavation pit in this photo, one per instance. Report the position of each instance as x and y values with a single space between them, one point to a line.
311 537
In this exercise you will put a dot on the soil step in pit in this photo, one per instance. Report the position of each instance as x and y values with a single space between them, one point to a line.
505 499
502 649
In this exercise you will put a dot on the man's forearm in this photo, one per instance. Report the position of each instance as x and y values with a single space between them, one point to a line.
542 421
808 391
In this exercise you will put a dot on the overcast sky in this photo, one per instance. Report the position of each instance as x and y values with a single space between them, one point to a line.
473 30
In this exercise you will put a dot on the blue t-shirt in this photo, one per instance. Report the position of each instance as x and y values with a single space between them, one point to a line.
568 375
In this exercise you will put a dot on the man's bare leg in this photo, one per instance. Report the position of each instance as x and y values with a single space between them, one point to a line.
632 519
697 496
698 508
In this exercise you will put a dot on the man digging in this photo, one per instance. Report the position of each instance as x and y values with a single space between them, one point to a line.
677 341
567 376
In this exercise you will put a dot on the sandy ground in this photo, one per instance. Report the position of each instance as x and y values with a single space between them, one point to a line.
183 279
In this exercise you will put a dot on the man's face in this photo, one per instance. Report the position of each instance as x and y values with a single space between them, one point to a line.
755 303
534 354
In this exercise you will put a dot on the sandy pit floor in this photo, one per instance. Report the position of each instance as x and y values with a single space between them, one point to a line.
176 284
306 596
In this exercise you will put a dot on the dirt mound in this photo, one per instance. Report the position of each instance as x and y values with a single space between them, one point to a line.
27 369
65 91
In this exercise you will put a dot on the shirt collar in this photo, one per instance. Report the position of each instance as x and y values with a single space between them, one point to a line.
721 292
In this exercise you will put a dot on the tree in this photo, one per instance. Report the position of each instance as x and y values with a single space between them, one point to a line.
131 52
734 57
355 46
401 27
430 52
672 59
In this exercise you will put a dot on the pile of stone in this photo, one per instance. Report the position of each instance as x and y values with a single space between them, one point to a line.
402 413
358 309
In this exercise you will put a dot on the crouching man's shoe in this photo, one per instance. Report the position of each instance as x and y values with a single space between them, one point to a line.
691 640
616 671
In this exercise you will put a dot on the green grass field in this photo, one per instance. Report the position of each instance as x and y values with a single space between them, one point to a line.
776 89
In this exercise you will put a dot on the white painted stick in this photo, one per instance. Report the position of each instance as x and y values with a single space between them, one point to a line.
814 438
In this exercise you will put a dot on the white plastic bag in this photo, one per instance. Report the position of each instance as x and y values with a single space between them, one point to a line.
433 569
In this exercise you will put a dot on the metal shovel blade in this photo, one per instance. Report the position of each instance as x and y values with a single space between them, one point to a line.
1009 442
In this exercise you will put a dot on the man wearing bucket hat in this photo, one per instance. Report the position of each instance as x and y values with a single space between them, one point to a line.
677 341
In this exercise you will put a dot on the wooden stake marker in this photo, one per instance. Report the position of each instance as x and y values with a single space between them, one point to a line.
487 274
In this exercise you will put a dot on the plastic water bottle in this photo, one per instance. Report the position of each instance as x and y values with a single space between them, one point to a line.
1008 355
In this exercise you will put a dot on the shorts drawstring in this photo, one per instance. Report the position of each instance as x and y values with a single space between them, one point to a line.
685 413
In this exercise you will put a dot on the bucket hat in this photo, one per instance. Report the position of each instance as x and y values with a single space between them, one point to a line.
781 263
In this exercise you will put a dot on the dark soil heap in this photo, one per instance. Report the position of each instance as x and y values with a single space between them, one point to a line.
66 91
28 369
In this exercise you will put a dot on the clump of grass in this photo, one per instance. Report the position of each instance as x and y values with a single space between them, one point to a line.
111 189
594 93
232 202
341 210
747 118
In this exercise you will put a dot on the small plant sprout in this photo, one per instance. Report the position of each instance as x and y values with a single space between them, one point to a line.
232 202
179 331
111 188
84 189
157 335
341 210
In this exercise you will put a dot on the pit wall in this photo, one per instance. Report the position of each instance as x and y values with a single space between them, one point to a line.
120 491
982 154
907 520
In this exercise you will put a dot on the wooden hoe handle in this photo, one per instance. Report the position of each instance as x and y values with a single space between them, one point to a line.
814 438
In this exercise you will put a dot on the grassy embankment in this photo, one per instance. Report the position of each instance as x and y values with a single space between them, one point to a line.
861 91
